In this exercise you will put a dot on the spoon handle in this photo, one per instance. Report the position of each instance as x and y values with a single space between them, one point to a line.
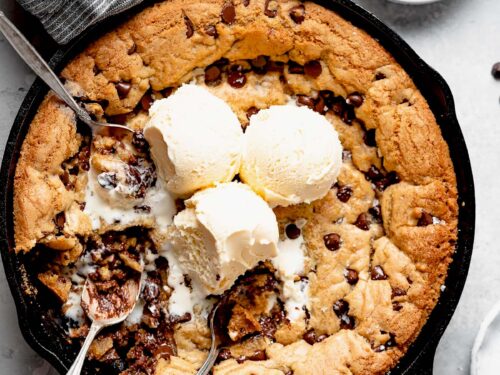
76 369
31 57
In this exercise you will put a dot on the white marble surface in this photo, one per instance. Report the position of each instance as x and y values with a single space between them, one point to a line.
459 38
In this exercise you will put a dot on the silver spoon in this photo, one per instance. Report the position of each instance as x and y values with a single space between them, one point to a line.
31 57
101 319
215 345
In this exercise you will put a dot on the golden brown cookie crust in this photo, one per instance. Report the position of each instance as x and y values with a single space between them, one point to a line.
152 51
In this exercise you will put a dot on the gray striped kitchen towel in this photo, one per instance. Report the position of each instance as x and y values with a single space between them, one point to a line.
66 19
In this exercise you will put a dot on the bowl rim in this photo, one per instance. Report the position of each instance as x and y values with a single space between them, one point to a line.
419 357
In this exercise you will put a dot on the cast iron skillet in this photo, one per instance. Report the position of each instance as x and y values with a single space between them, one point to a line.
41 328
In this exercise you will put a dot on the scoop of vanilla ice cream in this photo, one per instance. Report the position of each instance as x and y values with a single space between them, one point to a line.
223 232
195 140
291 155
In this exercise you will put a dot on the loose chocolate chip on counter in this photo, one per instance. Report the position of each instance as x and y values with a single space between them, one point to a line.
60 220
123 88
189 27
344 193
363 221
212 75
369 138
236 79
298 13
295 68
271 8
377 273
252 111
292 231
495 70
340 307
332 241
313 68
355 99
146 101
351 276
228 13
211 30
346 322
425 219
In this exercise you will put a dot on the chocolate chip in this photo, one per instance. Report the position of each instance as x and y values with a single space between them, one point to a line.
363 222
295 68
369 138
271 8
132 49
355 99
344 193
495 70
351 276
259 64
373 174
228 14
252 111
292 231
310 337
143 208
236 79
258 355
298 13
224 354
332 241
211 30
275 66
167 92
313 69
304 100
338 105
107 180
376 213
425 219
60 220
393 177
179 204
139 141
189 27
379 76
146 101
320 106
377 273
340 307
123 88
396 306
321 338
175 319
346 322
398 292
212 75
96 70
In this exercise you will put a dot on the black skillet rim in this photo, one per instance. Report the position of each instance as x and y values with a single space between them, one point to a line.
419 358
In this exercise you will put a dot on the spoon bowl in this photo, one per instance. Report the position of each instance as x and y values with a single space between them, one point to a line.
105 311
